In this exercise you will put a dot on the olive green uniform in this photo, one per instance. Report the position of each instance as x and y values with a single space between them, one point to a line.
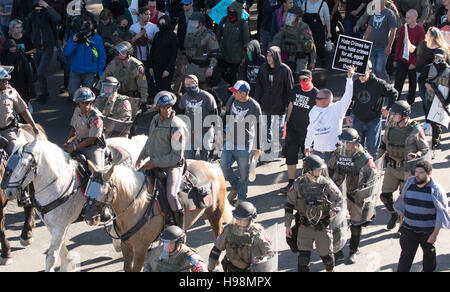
242 247
201 50
117 107
186 260
297 42
397 143
312 202
358 171
89 125
11 104
131 76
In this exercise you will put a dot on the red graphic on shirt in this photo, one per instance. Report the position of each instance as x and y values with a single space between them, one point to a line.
127 106
98 122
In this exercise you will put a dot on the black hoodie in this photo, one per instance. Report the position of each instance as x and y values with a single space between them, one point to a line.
273 96
251 68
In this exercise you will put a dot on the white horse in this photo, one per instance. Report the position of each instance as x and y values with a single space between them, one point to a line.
53 173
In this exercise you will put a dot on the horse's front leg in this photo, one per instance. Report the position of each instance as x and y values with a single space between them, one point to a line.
58 237
70 261
5 256
26 238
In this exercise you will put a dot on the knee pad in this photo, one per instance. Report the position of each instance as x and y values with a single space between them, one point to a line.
304 257
388 200
328 261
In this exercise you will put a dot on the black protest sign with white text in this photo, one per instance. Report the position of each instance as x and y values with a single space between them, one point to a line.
352 51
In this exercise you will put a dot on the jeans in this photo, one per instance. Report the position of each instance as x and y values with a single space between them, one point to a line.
410 241
80 79
43 59
237 182
379 60
369 133
349 25
422 93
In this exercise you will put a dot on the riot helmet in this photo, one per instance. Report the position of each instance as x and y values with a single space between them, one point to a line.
245 210
313 162
293 16
165 98
124 49
5 72
349 139
401 107
195 21
109 86
171 238
83 94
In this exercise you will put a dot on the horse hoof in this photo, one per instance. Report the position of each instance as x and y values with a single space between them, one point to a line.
5 261
26 242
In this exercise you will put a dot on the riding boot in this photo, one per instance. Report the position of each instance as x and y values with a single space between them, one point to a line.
179 219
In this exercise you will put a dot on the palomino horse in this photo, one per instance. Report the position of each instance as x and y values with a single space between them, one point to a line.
26 237
57 190
125 190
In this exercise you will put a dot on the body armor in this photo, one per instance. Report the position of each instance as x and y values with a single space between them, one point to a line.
396 137
196 45
240 248
312 201
178 263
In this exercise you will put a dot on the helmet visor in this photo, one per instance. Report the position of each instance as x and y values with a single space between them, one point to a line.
108 89
291 19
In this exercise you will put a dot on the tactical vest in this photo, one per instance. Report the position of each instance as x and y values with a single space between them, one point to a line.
127 75
196 45
240 249
311 198
295 41
178 264
396 138
112 109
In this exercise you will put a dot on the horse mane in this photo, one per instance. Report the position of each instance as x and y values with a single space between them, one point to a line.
53 156
128 181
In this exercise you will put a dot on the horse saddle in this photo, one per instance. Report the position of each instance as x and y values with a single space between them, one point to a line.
195 189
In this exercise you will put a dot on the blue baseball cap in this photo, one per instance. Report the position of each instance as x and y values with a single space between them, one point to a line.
241 86
187 1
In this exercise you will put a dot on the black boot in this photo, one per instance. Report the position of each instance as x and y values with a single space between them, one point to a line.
303 261
354 243
393 221
24 199
179 219
329 262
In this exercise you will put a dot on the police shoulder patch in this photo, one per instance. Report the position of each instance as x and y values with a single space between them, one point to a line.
98 122
127 105
213 36
141 70
308 31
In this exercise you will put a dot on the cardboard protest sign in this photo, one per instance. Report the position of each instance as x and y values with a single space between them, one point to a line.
437 113
352 51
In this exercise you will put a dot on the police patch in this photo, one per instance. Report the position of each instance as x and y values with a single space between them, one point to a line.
127 106
308 31
213 36
98 122
141 70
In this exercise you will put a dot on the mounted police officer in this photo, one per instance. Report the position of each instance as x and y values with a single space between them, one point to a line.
129 71
354 165
113 105
317 199
86 133
296 40
246 244
405 144
173 255
10 106
165 146
201 48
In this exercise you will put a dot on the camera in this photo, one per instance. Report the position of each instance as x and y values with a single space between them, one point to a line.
83 31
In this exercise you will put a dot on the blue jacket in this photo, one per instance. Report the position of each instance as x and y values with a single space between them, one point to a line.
82 60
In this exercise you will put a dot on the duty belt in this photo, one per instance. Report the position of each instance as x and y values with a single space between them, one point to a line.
394 163
200 63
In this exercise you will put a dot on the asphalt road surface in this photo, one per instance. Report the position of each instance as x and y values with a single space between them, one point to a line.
379 249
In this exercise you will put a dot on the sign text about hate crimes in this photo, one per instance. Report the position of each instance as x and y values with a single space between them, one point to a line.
352 51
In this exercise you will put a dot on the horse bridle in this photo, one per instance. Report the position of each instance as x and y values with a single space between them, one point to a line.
32 166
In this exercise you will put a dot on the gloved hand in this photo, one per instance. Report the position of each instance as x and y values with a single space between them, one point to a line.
143 107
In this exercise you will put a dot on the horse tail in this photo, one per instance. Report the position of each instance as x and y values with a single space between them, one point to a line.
226 207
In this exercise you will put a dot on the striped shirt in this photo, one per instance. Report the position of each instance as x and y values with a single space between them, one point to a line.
425 208
420 213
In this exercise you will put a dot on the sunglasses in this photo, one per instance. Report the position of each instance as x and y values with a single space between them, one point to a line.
304 79
321 98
